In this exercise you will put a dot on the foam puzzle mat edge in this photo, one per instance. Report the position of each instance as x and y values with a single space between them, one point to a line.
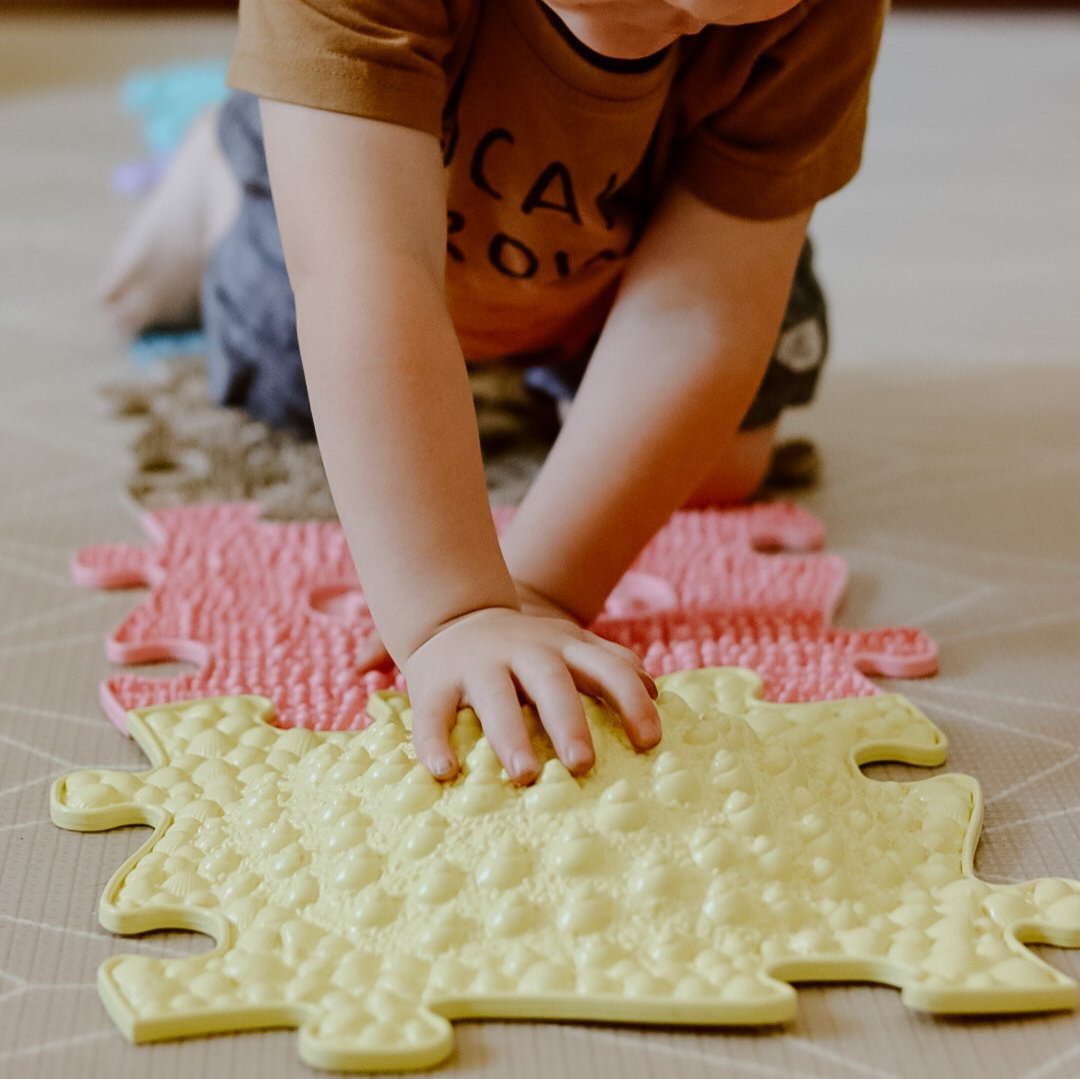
354 897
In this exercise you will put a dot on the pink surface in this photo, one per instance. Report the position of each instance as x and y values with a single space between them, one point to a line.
275 609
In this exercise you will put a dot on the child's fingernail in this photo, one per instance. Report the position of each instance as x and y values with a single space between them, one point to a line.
650 733
443 767
522 765
578 756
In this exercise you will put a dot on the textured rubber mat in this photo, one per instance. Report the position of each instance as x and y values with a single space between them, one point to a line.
354 897
274 609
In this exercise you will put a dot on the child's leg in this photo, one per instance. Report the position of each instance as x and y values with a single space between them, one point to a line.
206 240
248 307
154 273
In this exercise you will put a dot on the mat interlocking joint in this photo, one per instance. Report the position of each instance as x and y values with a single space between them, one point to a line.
353 897
275 608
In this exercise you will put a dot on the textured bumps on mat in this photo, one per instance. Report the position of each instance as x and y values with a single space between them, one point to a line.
275 609
353 897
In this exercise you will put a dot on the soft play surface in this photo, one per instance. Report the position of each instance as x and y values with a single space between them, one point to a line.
947 426
354 897
274 608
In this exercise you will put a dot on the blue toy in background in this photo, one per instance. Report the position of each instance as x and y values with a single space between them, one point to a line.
166 100
164 345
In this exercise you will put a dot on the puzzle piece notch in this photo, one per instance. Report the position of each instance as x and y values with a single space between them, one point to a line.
692 568
734 559
229 594
116 566
275 608
799 657
354 897
215 529
760 527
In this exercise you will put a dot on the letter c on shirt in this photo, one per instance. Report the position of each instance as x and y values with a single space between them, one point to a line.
476 168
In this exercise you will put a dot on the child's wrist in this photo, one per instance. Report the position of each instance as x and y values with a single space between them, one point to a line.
415 639
535 601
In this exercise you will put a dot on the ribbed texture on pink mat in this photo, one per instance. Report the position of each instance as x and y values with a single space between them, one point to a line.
275 609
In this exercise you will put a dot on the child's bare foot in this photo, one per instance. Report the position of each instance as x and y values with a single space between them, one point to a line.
155 271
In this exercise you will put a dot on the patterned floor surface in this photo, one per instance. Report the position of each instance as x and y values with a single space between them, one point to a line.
952 474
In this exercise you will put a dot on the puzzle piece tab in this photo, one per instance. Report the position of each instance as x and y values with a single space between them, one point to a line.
275 608
352 896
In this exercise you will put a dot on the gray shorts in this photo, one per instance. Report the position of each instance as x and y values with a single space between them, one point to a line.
249 312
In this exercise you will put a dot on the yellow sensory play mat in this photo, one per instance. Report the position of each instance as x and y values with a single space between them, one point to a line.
352 896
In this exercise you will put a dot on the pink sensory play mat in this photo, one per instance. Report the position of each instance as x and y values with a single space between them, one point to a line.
275 609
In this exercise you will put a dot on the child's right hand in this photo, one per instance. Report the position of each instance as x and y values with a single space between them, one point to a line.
373 655
490 658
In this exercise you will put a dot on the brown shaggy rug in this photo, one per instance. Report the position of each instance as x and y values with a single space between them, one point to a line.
188 449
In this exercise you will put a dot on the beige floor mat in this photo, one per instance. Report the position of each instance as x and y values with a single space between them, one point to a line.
951 447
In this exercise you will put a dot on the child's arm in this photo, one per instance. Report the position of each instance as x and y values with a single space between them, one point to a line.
362 210
677 365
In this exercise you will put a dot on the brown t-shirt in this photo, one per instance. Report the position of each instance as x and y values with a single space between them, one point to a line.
554 156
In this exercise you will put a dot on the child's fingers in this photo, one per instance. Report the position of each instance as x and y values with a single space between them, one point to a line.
434 716
494 698
630 657
599 671
551 689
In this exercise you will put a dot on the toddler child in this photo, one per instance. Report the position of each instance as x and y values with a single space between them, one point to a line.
626 182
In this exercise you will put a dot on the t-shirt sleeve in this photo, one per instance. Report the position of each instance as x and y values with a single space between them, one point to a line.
792 131
382 59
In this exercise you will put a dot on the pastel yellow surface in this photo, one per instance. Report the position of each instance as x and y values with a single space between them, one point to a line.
353 897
